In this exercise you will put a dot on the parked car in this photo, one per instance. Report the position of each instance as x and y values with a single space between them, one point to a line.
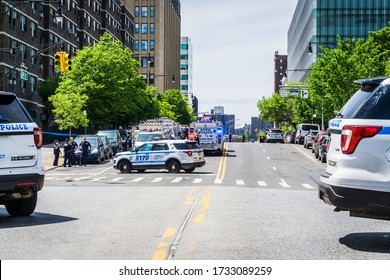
274 135
21 166
115 139
173 155
309 138
290 136
108 152
317 142
358 159
97 148
304 129
323 148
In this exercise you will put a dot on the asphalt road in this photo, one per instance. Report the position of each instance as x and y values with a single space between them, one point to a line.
257 202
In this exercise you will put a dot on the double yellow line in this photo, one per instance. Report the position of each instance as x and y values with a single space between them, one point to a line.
222 163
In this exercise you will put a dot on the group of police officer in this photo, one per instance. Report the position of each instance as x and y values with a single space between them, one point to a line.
70 147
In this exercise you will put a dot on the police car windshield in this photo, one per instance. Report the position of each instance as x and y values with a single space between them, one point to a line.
144 137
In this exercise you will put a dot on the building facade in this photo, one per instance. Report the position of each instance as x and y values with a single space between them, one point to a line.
319 22
157 40
280 68
186 68
30 35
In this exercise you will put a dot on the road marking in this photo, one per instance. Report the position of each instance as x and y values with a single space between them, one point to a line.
82 178
137 179
218 181
98 179
156 180
268 158
49 178
202 212
240 182
197 180
262 183
177 180
64 178
222 166
191 197
264 150
163 247
284 184
274 168
307 186
311 158
117 179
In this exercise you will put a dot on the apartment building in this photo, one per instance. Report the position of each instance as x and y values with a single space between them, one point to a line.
186 68
31 32
157 40
280 69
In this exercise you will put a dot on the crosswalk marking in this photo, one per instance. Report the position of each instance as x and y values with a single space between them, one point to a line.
117 179
81 178
218 181
197 181
98 179
284 184
49 178
307 186
156 180
137 179
177 180
262 183
64 178
240 182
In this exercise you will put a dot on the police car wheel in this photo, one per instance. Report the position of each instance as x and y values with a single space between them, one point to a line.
173 166
189 170
22 207
125 166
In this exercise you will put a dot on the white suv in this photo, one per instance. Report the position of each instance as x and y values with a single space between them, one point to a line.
304 129
357 177
172 155
21 166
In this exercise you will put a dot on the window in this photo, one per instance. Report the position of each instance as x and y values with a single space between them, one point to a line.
184 46
183 77
145 147
33 27
160 147
184 56
144 45
183 87
377 106
33 84
152 45
23 23
151 11
144 11
144 28
136 29
152 28
136 45
144 62
136 11
183 67
33 58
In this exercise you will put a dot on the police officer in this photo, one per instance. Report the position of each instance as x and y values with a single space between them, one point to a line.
56 151
74 148
85 149
67 153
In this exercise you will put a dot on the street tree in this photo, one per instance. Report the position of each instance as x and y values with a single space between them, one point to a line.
175 106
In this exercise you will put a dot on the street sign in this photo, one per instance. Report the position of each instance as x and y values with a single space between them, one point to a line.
283 93
294 92
304 93
24 75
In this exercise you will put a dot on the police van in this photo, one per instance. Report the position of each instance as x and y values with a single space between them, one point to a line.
357 177
21 165
173 155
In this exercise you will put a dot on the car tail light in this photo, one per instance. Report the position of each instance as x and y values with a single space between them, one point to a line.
189 153
38 137
351 136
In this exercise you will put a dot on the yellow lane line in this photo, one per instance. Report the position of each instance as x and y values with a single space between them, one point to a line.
205 202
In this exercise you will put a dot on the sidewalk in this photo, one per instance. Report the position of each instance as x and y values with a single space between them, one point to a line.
48 158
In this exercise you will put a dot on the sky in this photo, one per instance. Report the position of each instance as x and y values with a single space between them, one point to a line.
234 42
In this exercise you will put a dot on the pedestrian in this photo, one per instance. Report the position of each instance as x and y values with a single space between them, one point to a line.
129 141
56 151
72 151
67 148
85 150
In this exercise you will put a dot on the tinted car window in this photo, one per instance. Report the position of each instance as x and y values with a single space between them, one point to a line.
160 147
377 106
353 104
193 146
308 127
11 111
181 146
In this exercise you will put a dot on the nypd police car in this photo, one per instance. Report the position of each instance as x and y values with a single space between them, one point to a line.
173 155
357 177
21 165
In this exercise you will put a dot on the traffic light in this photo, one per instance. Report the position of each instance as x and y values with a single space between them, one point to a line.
66 63
58 57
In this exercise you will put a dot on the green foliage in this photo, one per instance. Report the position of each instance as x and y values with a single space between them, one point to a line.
175 106
108 75
45 90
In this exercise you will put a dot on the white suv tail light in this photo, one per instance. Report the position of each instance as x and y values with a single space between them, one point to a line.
38 137
352 134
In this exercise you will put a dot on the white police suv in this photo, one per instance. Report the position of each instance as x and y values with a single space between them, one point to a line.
357 177
21 165
172 155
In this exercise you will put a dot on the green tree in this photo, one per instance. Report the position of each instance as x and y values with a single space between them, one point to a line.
175 106
108 75
45 90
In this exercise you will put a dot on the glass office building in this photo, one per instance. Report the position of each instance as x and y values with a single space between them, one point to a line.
319 22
